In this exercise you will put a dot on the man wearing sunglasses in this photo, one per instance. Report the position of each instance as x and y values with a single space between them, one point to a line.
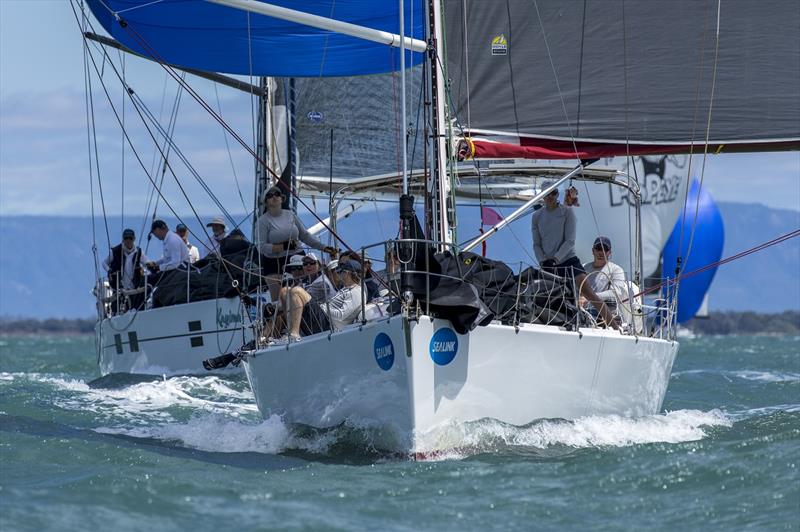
125 266
607 278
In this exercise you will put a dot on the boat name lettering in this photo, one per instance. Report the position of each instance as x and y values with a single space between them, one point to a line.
225 319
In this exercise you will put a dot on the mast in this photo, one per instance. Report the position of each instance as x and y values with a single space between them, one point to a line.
263 144
443 209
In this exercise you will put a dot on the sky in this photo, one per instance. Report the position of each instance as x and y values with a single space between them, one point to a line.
44 161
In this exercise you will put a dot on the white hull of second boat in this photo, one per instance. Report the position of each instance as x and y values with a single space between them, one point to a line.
171 340
414 379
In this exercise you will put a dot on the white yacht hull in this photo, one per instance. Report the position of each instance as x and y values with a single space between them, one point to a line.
171 340
493 372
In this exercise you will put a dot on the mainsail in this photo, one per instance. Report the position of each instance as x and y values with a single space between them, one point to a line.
550 79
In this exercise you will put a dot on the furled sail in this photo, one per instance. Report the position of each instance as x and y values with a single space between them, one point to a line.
552 79
217 38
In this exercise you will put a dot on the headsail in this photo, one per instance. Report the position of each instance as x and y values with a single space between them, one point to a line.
218 38
545 79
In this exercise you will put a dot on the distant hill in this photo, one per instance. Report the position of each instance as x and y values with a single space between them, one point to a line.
46 265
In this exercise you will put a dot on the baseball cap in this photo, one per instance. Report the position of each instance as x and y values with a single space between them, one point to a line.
602 241
128 233
349 266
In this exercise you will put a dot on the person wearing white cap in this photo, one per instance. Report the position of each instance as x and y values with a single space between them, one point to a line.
317 284
217 225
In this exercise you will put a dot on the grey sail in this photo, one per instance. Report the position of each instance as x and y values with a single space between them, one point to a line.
642 73
350 126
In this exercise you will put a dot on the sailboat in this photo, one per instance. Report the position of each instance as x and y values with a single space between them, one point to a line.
519 352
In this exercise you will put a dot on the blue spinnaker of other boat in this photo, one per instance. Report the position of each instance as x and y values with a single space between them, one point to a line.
709 237
217 38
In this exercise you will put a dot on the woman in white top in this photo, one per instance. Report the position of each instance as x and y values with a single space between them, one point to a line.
278 233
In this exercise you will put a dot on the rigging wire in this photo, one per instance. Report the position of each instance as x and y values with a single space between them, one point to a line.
208 109
88 81
676 280
705 145
230 155
89 121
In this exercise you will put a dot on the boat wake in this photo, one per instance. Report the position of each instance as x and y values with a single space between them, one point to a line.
218 414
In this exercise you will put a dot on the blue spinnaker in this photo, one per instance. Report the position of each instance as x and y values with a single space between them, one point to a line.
215 38
709 237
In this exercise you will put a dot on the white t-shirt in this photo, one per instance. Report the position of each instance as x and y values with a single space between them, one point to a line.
607 282
175 252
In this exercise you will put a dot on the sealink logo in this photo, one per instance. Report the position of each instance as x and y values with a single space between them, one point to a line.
444 346
384 351
315 116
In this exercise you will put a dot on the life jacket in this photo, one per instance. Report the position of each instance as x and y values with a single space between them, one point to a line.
118 263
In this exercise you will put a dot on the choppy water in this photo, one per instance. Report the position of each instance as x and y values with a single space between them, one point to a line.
193 453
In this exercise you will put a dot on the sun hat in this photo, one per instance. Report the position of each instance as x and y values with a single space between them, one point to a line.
216 220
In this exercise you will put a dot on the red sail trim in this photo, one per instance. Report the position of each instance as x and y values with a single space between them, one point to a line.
530 148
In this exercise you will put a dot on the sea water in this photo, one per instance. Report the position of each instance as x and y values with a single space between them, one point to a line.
193 453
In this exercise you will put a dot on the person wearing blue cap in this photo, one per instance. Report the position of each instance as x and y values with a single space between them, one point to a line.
125 266
607 278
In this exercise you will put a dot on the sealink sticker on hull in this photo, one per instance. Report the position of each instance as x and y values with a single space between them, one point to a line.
384 351
444 346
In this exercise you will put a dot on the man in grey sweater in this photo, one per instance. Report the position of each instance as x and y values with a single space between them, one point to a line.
554 228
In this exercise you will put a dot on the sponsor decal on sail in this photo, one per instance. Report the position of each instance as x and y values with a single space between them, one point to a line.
499 45
315 116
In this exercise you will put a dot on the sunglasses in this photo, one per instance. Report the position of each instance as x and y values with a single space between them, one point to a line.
308 263
128 238
273 195
602 248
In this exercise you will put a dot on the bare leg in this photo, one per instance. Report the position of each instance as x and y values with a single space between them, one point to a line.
296 299
274 285
591 296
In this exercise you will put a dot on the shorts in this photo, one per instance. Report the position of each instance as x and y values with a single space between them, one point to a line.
275 265
314 319
568 269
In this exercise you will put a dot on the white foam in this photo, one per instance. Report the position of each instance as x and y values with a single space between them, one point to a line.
148 401
217 433
750 375
767 376
588 432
